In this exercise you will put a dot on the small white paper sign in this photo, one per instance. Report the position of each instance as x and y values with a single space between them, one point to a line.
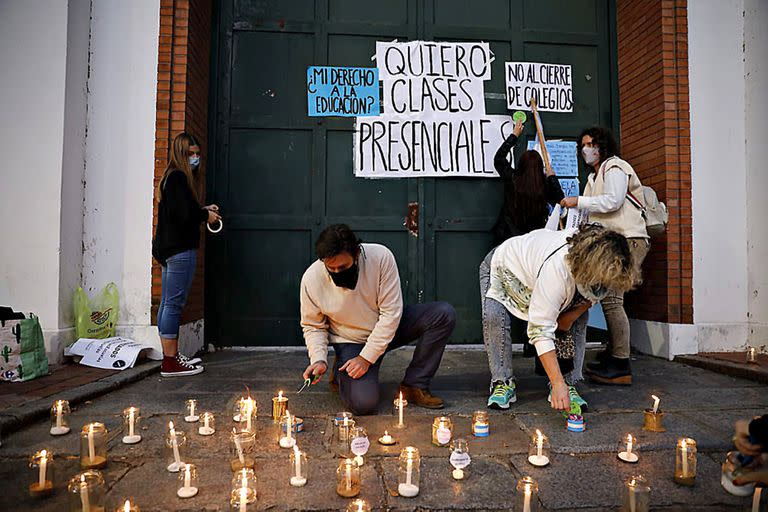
460 460
360 445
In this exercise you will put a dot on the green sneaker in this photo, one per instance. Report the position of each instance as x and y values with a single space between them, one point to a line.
503 395
574 396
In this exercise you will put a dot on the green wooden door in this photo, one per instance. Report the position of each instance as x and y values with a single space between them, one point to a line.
281 176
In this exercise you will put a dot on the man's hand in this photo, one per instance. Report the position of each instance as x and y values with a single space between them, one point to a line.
356 367
315 371
561 400
741 440
570 202
757 476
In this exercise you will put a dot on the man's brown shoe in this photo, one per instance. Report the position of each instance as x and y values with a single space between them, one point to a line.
421 397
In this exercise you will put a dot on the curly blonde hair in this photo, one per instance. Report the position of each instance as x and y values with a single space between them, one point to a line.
599 257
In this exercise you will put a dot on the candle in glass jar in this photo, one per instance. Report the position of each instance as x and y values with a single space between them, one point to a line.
279 406
529 489
43 484
43 465
752 355
176 466
85 502
297 480
128 506
685 462
287 440
130 416
59 426
91 446
480 424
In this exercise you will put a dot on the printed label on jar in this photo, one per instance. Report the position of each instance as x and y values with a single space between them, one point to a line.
443 435
360 445
481 429
460 460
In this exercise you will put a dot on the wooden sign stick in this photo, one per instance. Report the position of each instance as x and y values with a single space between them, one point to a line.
542 141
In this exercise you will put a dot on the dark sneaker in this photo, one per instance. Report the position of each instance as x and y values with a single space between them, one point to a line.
189 360
421 397
616 372
175 367
503 394
601 359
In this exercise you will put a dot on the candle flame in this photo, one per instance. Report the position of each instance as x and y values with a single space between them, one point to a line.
633 483
539 435
629 438
386 433
170 425
654 397
401 397
527 488
684 445
279 395
360 506
127 506
296 450
43 453
82 479
90 428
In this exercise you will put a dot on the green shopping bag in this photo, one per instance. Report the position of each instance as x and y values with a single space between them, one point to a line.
96 318
22 350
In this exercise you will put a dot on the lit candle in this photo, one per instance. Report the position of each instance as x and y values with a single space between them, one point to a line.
527 498
91 447
297 480
131 420
191 417
279 405
400 411
85 501
59 413
206 429
127 506
187 477
627 455
655 403
348 481
175 446
539 459
632 496
238 447
409 488
243 498
539 443
684 448
287 440
58 425
248 414
386 439
751 355
43 468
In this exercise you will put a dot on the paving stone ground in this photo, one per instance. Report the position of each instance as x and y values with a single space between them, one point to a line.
585 474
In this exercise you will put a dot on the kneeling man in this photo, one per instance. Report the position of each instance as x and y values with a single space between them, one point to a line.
351 299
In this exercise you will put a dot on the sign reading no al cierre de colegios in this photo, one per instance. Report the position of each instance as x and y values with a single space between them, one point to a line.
345 92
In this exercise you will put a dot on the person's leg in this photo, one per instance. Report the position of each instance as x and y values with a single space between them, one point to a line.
180 270
496 331
579 330
360 396
431 324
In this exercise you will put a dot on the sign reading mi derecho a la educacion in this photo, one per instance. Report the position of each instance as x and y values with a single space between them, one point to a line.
340 91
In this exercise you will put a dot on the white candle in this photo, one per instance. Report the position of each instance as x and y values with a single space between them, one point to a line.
539 443
187 477
386 438
43 467
175 446
243 498
756 499
297 458
206 419
527 498
238 447
400 410
408 469
91 447
349 474
655 403
249 414
632 496
684 454
192 408
85 502
289 426
130 421
127 506
629 444
59 412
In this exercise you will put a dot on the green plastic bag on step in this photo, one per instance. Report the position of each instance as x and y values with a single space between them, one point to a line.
97 317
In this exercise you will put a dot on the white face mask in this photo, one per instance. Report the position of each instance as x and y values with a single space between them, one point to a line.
194 161
592 293
591 155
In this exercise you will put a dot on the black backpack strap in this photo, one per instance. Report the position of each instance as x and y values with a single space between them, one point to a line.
547 259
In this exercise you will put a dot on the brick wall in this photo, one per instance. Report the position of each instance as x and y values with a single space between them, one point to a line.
655 139
182 105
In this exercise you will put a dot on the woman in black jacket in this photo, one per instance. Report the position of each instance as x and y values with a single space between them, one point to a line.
175 245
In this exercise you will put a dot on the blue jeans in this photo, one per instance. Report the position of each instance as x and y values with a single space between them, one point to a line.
178 272
431 324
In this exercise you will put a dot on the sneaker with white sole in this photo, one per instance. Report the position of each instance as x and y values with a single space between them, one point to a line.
175 367
574 397
502 395
189 360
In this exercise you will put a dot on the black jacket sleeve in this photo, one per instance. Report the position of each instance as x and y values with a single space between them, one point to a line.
554 192
182 205
500 162
758 430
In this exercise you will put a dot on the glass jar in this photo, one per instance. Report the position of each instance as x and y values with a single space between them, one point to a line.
286 437
400 404
298 467
242 446
128 506
538 449
241 499
60 418
340 417
248 414
131 419
732 468
460 458
93 446
359 444
481 424
637 495
442 431
187 482
685 461
408 472
87 492
41 464
279 406
207 424
246 477
343 437
236 408
358 506
348 479
175 440
527 495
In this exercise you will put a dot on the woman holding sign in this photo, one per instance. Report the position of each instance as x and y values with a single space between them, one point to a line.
611 186
175 245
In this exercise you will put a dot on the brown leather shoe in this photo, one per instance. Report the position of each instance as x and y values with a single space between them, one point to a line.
333 384
421 397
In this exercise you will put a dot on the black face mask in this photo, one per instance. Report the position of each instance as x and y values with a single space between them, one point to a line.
346 278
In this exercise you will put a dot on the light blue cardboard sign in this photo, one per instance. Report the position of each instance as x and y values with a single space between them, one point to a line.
562 156
344 92
570 186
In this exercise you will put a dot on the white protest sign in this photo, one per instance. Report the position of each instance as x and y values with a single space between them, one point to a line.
576 218
433 58
550 84
433 95
110 353
429 146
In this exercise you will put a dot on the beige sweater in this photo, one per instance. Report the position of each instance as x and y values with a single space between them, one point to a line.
369 314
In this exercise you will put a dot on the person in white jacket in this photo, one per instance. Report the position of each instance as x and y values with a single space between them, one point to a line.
542 275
